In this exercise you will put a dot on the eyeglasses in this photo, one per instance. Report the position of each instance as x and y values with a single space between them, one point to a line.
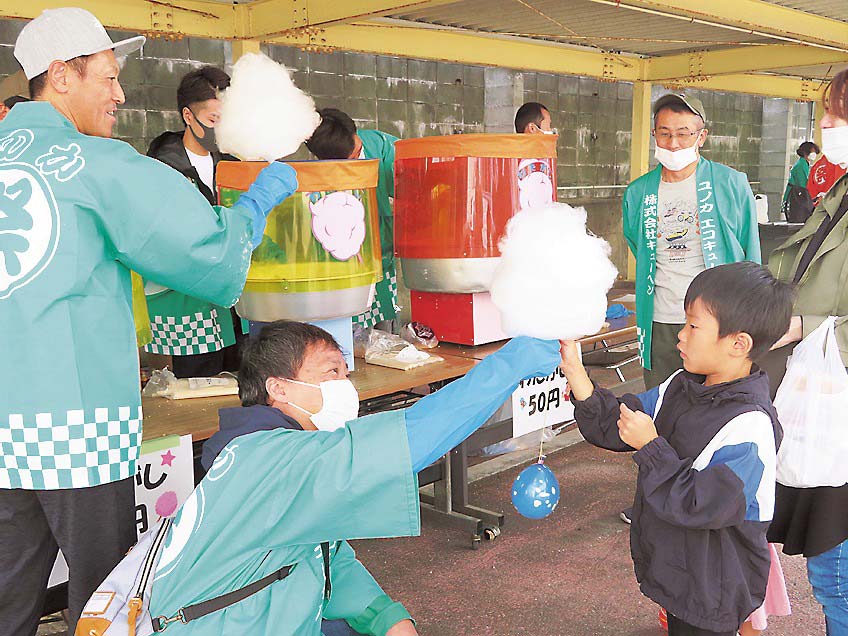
683 135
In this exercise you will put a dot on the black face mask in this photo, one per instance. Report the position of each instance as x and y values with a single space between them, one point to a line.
208 140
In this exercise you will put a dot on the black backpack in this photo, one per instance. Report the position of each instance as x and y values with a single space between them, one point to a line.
799 206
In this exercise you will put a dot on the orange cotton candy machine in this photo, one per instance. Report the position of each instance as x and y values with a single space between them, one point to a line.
453 198
320 256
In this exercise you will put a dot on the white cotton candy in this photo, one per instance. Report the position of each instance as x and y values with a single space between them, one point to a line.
264 116
553 277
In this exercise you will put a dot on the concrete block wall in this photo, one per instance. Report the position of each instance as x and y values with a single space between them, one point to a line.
404 97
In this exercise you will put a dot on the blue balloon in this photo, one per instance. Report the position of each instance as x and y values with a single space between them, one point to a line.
535 492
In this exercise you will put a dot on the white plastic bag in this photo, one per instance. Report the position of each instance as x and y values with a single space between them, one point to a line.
812 403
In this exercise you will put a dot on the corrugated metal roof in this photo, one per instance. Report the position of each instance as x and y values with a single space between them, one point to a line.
640 33
821 71
836 9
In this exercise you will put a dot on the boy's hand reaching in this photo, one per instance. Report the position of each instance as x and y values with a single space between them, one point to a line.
636 428
575 372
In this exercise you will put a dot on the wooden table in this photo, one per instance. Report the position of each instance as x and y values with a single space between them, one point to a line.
198 417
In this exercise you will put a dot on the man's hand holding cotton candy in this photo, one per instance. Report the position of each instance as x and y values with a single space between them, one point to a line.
272 186
553 277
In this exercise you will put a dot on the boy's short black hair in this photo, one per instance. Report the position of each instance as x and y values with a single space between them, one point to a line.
745 297
529 113
276 352
334 137
201 84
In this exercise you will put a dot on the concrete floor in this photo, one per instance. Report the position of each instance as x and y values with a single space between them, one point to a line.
568 575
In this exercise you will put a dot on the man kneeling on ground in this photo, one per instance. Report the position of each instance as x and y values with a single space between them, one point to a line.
286 475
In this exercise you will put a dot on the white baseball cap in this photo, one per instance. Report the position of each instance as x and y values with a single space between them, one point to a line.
63 34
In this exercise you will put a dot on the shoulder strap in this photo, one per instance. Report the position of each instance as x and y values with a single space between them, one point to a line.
828 224
204 608
328 586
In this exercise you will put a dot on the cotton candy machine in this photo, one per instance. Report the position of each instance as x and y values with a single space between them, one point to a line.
453 198
320 256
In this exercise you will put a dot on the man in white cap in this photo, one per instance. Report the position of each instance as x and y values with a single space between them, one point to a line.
78 211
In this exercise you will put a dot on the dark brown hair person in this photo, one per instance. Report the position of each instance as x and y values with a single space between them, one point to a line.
835 98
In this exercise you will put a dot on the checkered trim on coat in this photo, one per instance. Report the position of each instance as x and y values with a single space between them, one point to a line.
75 449
384 306
186 335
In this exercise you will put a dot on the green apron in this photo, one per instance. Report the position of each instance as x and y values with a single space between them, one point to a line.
269 500
380 145
727 218
78 213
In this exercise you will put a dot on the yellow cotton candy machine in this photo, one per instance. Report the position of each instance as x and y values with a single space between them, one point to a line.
320 256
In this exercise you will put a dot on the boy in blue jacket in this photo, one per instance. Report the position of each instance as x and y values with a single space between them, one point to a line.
705 443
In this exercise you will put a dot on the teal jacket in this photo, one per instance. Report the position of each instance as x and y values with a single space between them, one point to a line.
77 213
269 500
728 225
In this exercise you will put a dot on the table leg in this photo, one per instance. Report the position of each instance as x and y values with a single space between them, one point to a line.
459 490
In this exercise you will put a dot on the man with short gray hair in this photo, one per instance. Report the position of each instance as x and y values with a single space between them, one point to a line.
686 215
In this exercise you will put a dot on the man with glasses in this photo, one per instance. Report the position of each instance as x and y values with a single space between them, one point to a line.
686 215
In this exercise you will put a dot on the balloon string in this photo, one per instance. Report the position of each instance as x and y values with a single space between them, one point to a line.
541 444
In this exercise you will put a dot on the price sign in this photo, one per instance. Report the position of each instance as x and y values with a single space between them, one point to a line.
541 402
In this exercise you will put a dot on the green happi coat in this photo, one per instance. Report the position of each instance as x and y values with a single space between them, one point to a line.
76 214
269 499
727 220
379 145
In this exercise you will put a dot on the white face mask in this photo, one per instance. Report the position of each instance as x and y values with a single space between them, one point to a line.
812 157
340 404
675 160
835 145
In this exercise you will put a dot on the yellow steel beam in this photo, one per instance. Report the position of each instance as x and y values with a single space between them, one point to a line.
152 17
271 18
756 16
640 145
818 113
467 48
804 90
240 47
740 60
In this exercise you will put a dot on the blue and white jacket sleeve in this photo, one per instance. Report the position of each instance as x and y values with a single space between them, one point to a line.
597 416
731 481
442 420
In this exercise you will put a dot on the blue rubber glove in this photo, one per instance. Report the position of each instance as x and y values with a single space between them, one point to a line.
440 421
273 185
